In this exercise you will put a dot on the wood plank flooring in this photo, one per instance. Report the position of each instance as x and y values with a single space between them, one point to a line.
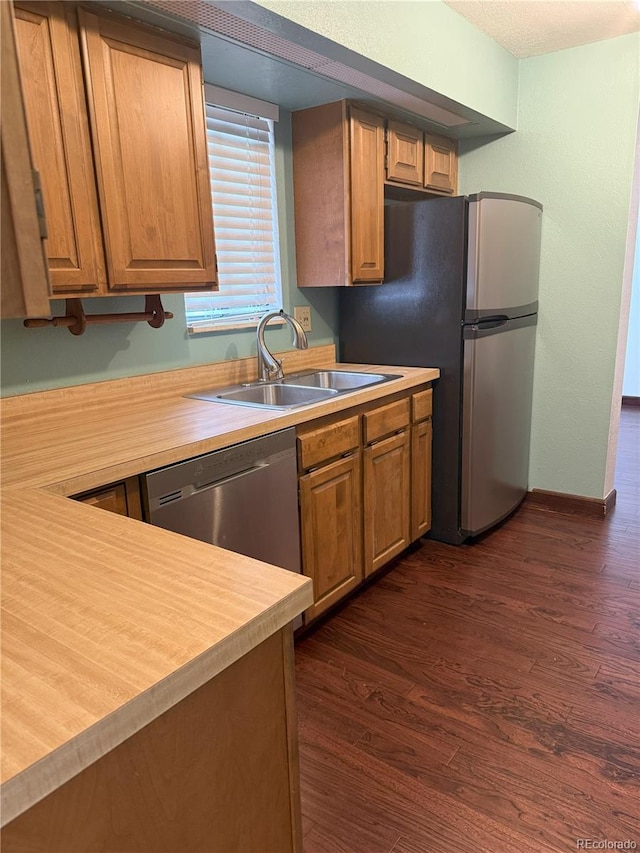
483 698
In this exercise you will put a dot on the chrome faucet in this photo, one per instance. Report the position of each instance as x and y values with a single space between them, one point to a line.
269 368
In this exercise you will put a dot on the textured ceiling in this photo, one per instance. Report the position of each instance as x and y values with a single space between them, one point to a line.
531 27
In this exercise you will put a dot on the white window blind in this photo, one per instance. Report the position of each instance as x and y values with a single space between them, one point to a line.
241 165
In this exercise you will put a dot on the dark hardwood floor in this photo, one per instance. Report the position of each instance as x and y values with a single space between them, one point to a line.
484 698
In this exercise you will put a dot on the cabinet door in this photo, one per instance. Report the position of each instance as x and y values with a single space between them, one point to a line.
386 500
54 101
145 97
440 164
25 287
122 498
331 531
405 154
367 196
420 479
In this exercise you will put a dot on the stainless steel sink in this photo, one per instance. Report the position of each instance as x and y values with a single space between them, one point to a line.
299 389
270 395
339 380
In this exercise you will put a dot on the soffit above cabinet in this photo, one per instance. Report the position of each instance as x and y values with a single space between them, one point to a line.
246 48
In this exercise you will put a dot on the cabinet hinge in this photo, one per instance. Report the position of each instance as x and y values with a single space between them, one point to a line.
37 191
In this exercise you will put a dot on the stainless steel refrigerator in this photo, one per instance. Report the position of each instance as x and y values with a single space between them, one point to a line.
460 293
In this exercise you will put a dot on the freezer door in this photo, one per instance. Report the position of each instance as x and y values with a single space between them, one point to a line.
504 256
497 389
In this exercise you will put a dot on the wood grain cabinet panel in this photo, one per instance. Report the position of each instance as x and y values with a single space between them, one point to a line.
421 405
216 772
405 154
331 521
338 178
147 115
384 420
116 122
122 498
59 135
25 283
367 196
421 442
386 500
440 164
327 442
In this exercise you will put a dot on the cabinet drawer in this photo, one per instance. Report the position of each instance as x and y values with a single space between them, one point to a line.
327 442
385 420
421 405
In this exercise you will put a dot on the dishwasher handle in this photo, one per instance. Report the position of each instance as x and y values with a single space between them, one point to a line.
174 483
188 490
210 484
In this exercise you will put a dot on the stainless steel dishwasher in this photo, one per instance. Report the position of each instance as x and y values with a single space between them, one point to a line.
244 498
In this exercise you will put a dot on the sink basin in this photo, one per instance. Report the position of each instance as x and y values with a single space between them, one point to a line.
339 380
271 395
299 389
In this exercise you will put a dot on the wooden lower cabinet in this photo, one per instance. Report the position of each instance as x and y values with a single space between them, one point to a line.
421 435
365 491
387 500
331 521
122 498
216 772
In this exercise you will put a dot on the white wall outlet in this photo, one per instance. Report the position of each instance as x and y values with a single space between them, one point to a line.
303 315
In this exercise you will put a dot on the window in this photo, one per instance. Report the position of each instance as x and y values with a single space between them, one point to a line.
241 164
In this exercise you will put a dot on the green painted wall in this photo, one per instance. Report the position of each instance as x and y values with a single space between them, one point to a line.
35 359
575 111
574 152
426 41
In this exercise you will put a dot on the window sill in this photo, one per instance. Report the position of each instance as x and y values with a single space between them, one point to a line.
213 327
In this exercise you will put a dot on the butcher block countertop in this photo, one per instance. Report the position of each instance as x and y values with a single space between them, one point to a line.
106 621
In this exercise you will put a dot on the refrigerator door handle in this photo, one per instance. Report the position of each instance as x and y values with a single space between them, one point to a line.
495 325
490 322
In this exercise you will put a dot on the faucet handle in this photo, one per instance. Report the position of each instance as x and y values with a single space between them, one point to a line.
275 372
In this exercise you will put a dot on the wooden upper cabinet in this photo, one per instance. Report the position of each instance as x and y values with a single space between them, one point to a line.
367 196
25 285
56 115
405 158
115 115
338 179
146 107
440 164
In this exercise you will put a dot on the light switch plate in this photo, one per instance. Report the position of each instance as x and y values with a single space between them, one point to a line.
303 315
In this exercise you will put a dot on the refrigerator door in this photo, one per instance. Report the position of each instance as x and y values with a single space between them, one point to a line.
504 256
414 319
497 387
